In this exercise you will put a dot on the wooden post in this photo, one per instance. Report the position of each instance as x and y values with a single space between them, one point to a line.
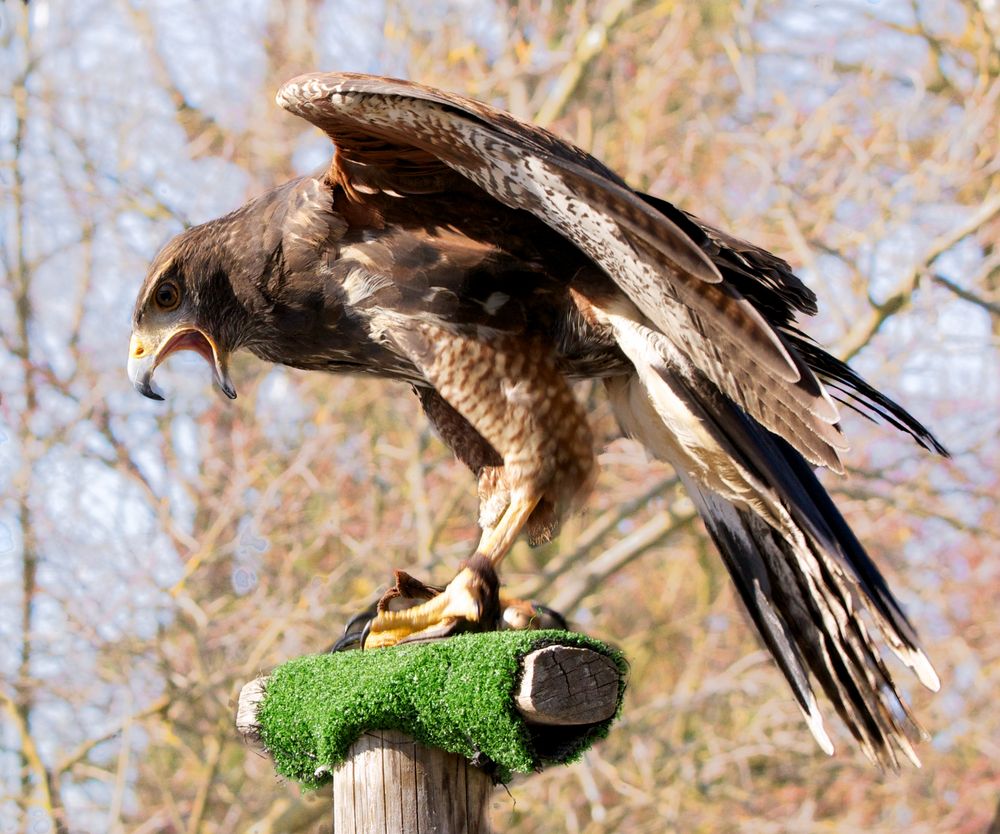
390 783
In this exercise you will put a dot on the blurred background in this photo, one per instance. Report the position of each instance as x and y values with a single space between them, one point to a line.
154 557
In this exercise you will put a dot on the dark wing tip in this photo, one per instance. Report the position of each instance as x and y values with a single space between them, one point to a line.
856 393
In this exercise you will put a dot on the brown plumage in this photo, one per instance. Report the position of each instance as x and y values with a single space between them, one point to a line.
488 263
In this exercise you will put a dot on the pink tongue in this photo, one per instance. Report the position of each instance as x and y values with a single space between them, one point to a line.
192 340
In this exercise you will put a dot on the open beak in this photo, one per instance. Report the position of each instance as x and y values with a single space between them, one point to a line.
144 358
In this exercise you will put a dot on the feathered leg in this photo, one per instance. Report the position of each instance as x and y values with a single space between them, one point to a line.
520 404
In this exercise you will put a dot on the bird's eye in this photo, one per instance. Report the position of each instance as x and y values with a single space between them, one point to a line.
167 296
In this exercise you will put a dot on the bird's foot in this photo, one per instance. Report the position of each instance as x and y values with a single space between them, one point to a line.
470 602
410 593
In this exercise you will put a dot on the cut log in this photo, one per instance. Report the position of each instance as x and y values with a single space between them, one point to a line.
565 686
389 782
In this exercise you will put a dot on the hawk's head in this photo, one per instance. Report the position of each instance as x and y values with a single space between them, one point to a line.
256 279
188 302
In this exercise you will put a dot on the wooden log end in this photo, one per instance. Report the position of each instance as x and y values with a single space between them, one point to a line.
247 708
567 686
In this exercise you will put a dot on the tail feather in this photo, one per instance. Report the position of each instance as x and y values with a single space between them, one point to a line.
792 480
748 568
805 629
802 574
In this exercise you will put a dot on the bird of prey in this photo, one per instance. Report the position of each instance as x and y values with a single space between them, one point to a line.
489 264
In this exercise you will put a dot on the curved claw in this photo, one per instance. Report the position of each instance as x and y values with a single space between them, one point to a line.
411 611
471 601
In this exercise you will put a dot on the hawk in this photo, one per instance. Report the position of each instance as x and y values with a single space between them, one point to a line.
489 264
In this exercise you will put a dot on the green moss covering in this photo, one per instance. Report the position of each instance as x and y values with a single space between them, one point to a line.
455 694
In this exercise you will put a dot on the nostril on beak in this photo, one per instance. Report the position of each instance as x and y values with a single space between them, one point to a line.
136 348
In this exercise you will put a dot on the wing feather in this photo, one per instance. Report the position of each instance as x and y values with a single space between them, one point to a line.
397 131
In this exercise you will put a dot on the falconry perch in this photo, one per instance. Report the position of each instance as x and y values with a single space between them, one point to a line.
489 264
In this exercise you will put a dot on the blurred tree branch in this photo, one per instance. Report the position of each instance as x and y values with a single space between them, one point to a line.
71 759
585 50
204 135
992 307
897 298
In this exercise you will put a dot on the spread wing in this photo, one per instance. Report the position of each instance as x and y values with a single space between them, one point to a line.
768 283
398 136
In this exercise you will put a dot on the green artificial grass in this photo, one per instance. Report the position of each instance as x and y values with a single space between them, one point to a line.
455 694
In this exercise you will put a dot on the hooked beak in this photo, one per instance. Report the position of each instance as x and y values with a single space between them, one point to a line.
144 358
